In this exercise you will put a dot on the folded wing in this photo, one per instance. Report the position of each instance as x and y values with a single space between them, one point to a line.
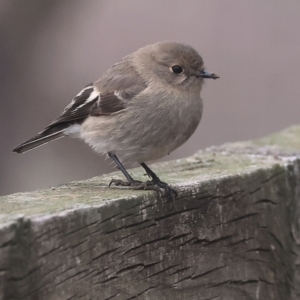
115 92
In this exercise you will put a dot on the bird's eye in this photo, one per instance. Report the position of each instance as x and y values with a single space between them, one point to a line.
177 70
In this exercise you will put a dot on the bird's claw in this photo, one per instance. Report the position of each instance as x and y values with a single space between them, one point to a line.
135 184
162 188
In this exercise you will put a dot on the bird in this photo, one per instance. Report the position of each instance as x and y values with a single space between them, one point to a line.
144 107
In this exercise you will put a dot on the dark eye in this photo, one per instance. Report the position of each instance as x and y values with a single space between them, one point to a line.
177 70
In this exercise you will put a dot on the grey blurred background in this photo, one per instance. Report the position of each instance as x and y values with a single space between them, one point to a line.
49 50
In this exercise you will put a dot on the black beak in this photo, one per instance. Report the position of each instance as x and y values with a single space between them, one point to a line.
207 74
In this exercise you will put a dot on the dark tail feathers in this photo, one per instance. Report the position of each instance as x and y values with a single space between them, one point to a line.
43 137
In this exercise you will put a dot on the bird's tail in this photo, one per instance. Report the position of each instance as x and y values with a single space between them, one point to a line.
48 135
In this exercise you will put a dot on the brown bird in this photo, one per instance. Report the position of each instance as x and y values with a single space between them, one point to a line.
143 108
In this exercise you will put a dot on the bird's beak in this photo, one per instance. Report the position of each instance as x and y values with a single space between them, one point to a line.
207 74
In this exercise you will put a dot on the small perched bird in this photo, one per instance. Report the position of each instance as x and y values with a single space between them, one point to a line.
143 108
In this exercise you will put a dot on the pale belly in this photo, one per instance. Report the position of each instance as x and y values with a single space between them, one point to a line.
143 138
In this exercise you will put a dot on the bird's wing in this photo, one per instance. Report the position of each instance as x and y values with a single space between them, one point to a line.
104 97
80 106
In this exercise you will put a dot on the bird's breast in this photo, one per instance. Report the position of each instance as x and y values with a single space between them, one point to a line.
168 122
184 120
150 127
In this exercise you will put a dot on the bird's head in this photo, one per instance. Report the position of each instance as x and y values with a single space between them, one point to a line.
176 64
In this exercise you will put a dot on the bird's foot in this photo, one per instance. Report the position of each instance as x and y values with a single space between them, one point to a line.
134 184
162 188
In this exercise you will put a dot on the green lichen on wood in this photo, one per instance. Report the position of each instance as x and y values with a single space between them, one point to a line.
288 139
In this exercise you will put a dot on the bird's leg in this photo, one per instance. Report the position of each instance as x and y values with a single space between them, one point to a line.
155 184
169 193
136 184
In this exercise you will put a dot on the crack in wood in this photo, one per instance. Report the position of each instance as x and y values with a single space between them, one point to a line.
30 272
163 238
274 176
136 267
161 271
241 282
267 201
112 297
242 218
241 241
108 252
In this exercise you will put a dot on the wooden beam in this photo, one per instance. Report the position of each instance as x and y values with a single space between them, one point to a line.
232 233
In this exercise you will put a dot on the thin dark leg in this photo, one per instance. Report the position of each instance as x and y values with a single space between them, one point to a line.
149 172
155 184
135 184
170 193
120 167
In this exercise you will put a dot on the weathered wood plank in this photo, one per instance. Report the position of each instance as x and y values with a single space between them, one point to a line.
233 233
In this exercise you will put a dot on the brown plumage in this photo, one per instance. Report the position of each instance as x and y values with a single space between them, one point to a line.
141 109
